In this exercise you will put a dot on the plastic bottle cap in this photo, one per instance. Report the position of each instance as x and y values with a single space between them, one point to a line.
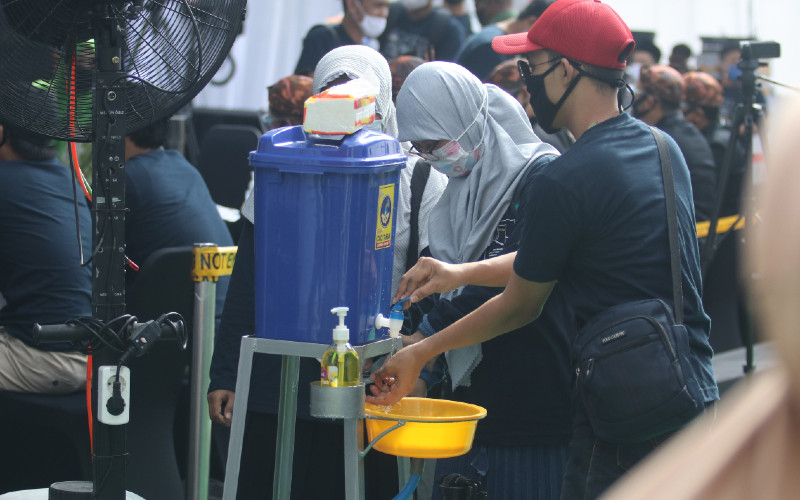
397 311
341 333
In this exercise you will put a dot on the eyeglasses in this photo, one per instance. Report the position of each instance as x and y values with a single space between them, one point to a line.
425 155
526 70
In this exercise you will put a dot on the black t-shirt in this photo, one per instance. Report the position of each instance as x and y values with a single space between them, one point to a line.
404 36
699 158
596 224
477 54
41 277
320 40
718 138
169 206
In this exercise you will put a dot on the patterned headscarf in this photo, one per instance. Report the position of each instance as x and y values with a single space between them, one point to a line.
663 82
401 67
286 98
702 90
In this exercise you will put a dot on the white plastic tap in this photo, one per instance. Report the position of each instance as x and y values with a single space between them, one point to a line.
394 322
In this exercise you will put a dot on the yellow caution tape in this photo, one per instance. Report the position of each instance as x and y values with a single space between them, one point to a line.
723 225
209 263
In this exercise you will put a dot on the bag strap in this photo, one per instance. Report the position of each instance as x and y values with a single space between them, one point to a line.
672 223
419 179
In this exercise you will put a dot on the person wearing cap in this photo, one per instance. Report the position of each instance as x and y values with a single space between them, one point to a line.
363 22
42 276
477 55
506 76
702 102
595 232
658 103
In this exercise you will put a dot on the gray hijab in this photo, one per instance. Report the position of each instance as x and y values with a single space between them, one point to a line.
360 61
442 100
355 61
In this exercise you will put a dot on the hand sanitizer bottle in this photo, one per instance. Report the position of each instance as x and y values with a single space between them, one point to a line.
340 364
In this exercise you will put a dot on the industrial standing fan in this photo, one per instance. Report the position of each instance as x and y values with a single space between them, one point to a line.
95 71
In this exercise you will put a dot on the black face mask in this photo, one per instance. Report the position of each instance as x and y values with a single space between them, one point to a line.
543 108
638 106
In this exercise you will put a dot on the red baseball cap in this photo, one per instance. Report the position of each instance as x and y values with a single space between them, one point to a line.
584 30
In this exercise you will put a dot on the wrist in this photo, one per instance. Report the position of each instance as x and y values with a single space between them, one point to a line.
427 377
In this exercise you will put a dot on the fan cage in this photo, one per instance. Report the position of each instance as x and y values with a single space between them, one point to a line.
171 49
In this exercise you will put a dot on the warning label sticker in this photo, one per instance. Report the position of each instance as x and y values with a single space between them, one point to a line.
212 262
383 229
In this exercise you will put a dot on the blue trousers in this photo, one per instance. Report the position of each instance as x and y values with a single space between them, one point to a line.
595 464
512 472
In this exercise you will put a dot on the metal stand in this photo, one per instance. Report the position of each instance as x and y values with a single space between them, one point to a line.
200 424
209 263
747 115
287 414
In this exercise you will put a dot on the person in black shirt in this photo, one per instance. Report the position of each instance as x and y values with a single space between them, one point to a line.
658 104
456 7
416 28
169 204
364 21
702 102
42 279
493 11
595 232
477 55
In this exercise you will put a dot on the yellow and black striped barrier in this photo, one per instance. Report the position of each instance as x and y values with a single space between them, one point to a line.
723 225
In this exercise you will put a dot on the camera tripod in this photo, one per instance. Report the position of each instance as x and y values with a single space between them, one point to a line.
747 116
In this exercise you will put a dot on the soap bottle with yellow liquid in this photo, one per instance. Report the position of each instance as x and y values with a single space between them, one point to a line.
340 364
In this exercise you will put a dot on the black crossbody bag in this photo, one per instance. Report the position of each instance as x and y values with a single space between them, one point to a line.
632 359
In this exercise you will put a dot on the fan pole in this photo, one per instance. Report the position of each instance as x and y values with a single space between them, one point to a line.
108 218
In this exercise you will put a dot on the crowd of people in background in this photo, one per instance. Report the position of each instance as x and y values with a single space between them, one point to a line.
670 94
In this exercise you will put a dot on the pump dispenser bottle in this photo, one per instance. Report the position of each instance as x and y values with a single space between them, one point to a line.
340 364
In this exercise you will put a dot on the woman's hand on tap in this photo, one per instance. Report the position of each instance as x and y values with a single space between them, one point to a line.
428 276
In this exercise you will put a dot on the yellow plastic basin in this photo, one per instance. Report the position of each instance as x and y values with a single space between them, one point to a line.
434 428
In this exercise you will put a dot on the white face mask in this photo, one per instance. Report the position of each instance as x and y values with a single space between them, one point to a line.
451 159
371 26
414 4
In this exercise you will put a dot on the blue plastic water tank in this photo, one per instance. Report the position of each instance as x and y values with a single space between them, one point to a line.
325 224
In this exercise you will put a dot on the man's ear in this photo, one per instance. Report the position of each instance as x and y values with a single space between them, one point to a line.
569 71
